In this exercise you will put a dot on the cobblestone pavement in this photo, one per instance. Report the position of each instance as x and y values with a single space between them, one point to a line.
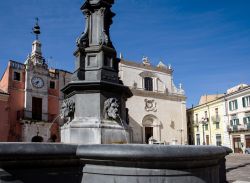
238 168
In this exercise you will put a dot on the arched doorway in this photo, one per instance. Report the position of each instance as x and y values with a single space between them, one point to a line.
37 139
151 128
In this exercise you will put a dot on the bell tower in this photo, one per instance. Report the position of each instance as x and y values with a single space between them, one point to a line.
36 117
36 58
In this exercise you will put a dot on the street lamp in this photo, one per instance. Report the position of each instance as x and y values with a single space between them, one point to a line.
181 130
203 122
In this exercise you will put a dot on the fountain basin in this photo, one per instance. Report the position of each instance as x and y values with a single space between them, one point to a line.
32 162
153 163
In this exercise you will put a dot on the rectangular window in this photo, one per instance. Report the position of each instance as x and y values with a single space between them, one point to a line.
233 105
216 111
218 139
234 122
17 76
246 101
198 142
246 120
196 118
52 84
205 114
217 125
216 117
206 127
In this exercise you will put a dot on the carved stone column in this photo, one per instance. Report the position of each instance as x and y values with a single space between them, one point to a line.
100 110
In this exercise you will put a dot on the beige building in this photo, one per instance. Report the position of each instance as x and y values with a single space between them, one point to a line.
222 119
206 121
157 111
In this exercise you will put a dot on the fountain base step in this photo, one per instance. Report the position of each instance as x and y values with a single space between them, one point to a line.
95 133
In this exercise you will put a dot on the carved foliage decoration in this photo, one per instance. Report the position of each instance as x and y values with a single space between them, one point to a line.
150 105
111 109
67 109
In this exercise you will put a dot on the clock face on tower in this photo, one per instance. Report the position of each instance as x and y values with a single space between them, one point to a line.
37 82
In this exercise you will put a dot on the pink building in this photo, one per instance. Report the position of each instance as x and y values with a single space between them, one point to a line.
4 116
30 99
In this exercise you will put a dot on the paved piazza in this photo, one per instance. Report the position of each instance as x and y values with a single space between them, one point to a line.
238 168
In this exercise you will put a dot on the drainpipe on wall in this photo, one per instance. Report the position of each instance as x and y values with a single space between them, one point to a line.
226 114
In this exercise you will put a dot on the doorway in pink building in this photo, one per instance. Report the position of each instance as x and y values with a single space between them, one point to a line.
37 108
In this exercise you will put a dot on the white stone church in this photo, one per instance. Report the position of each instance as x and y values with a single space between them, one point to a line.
157 110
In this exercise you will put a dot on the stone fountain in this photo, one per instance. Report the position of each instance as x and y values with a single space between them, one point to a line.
95 112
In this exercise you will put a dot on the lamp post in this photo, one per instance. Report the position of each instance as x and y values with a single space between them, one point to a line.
181 130
204 122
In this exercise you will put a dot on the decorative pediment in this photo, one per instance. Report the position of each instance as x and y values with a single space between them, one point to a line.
148 74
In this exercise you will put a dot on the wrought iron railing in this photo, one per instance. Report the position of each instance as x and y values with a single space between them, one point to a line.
29 115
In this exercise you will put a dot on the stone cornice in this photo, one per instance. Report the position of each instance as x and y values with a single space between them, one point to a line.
148 67
4 97
157 95
218 100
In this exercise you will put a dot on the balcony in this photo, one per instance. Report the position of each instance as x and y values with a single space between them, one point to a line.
216 119
23 115
238 128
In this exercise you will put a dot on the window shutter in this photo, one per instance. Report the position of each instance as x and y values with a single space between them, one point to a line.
245 120
238 121
243 102
230 106
236 104
231 122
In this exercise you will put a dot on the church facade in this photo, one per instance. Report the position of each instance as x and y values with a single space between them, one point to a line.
157 110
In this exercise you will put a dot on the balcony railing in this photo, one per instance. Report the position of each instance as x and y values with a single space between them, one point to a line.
29 115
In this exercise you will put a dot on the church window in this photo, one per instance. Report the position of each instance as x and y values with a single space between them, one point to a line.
148 84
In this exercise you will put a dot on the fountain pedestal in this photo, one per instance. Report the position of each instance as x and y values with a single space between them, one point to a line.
95 99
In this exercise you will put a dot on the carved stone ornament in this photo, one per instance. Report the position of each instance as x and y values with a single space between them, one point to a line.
67 109
111 109
150 105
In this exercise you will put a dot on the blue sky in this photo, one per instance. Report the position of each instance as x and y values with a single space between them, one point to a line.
207 42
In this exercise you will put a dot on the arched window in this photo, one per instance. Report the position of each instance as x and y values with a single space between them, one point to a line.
148 84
